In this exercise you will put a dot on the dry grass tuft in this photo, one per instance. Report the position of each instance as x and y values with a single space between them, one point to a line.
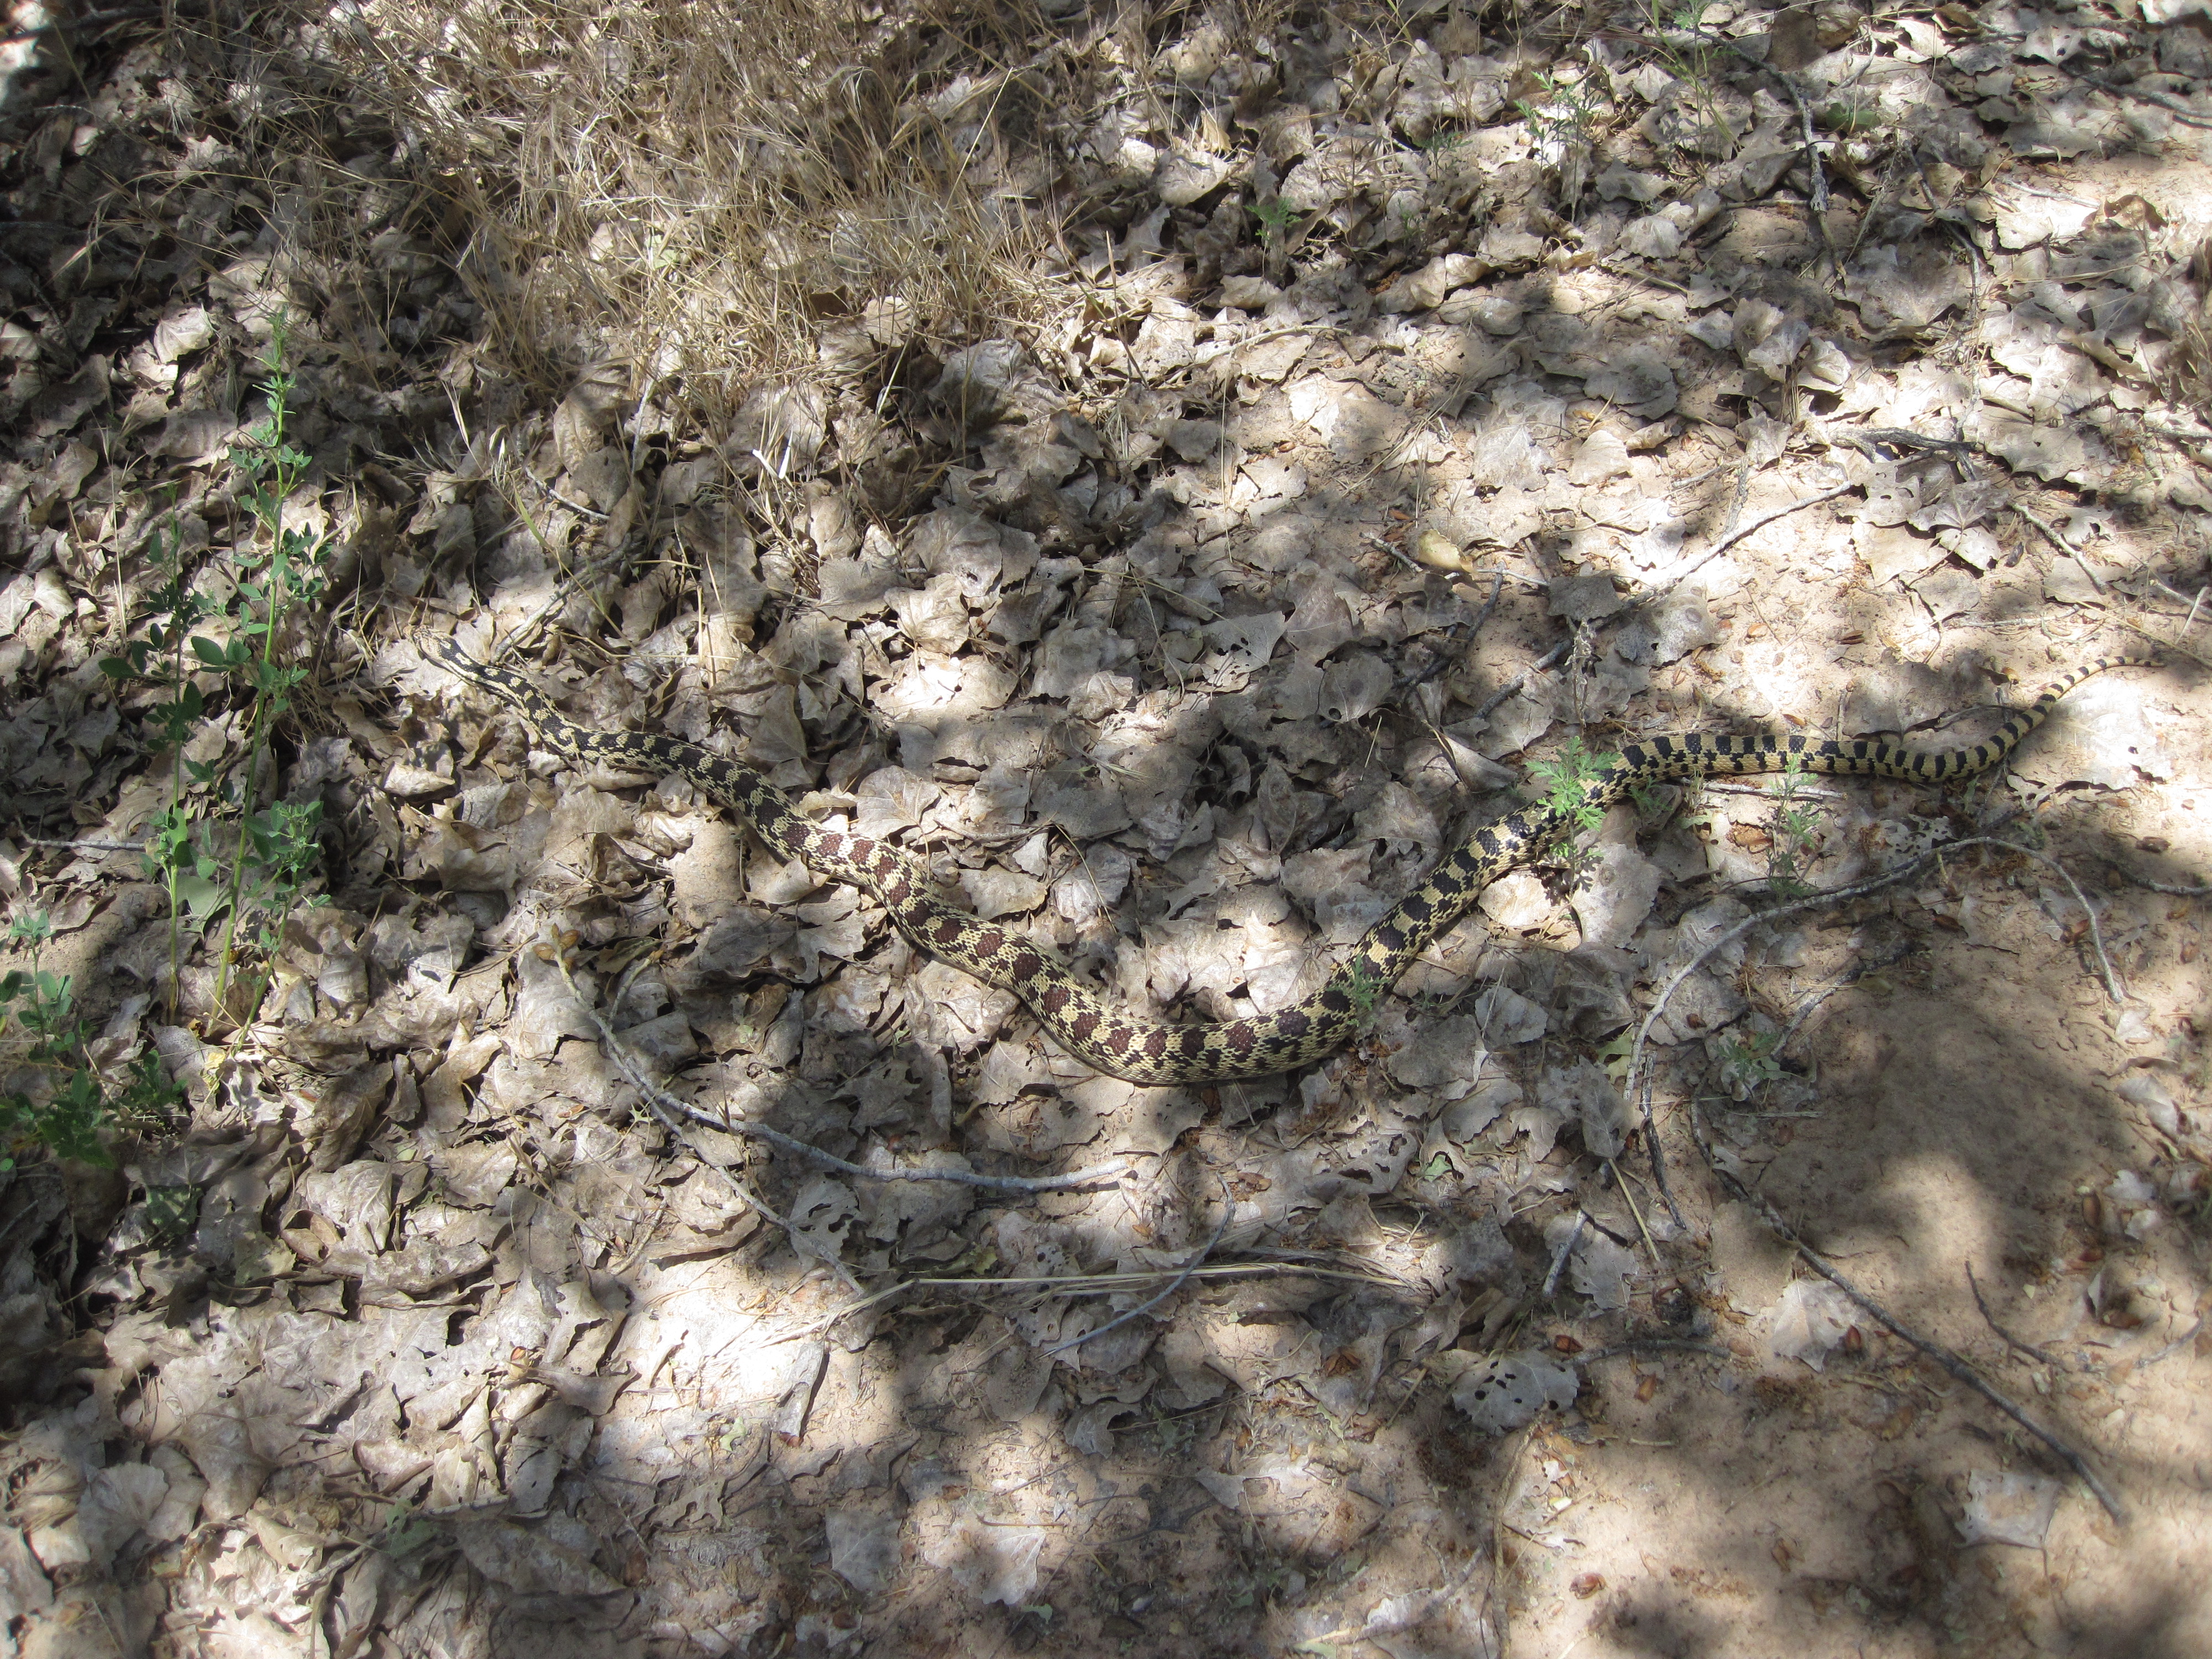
714 195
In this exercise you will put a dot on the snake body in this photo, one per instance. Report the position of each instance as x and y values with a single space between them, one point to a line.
1154 1051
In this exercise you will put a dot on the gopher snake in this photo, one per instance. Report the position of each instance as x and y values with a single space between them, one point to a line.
1151 1051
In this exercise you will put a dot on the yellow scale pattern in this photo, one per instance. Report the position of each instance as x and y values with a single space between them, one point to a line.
1153 1051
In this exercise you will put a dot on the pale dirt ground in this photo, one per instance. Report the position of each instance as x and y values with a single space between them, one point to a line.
577 1399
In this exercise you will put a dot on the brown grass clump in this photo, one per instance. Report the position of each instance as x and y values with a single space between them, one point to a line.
712 194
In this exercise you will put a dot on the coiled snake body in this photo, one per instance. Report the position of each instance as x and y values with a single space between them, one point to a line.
1153 1051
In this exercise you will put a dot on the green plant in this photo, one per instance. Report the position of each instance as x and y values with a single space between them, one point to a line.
1749 1062
171 1212
1564 117
1568 780
403 1531
1797 833
1648 798
1689 54
1276 218
219 847
40 1009
1363 984
1617 1051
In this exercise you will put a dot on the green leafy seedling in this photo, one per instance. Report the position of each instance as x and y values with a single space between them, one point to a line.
66 1112
1750 1062
1570 781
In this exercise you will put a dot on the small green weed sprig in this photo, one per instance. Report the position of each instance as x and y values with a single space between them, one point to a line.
1748 1063
252 866
1797 834
1691 56
38 1009
1565 117
1363 985
1566 781
1277 219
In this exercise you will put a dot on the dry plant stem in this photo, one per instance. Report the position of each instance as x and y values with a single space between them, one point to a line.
1502 1592
324 1583
2178 889
1228 1214
2096 934
563 591
1408 1617
657 1102
2064 546
661 1100
1086 1285
1629 1198
2161 642
559 500
1566 1248
1653 1345
2176 1345
1936 1351
1903 872
1095 1174
1737 534
2180 111
1850 976
1817 198
1491 704
2011 1341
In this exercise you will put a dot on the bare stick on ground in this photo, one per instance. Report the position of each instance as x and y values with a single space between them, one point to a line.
1936 1351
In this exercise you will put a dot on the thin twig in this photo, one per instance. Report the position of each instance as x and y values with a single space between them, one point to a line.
1817 197
563 591
2096 934
2175 888
1629 1198
1685 572
2180 111
2011 1341
1838 895
1087 1284
2176 1345
1442 657
2059 541
1652 1345
1850 976
1636 1069
555 496
660 1098
1228 1213
2174 646
1943 1356
1566 1248
1490 705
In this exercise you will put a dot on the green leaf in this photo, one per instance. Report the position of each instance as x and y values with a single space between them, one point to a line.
171 1212
203 898
209 651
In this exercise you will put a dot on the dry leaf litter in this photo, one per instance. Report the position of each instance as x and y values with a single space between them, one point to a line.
1813 367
